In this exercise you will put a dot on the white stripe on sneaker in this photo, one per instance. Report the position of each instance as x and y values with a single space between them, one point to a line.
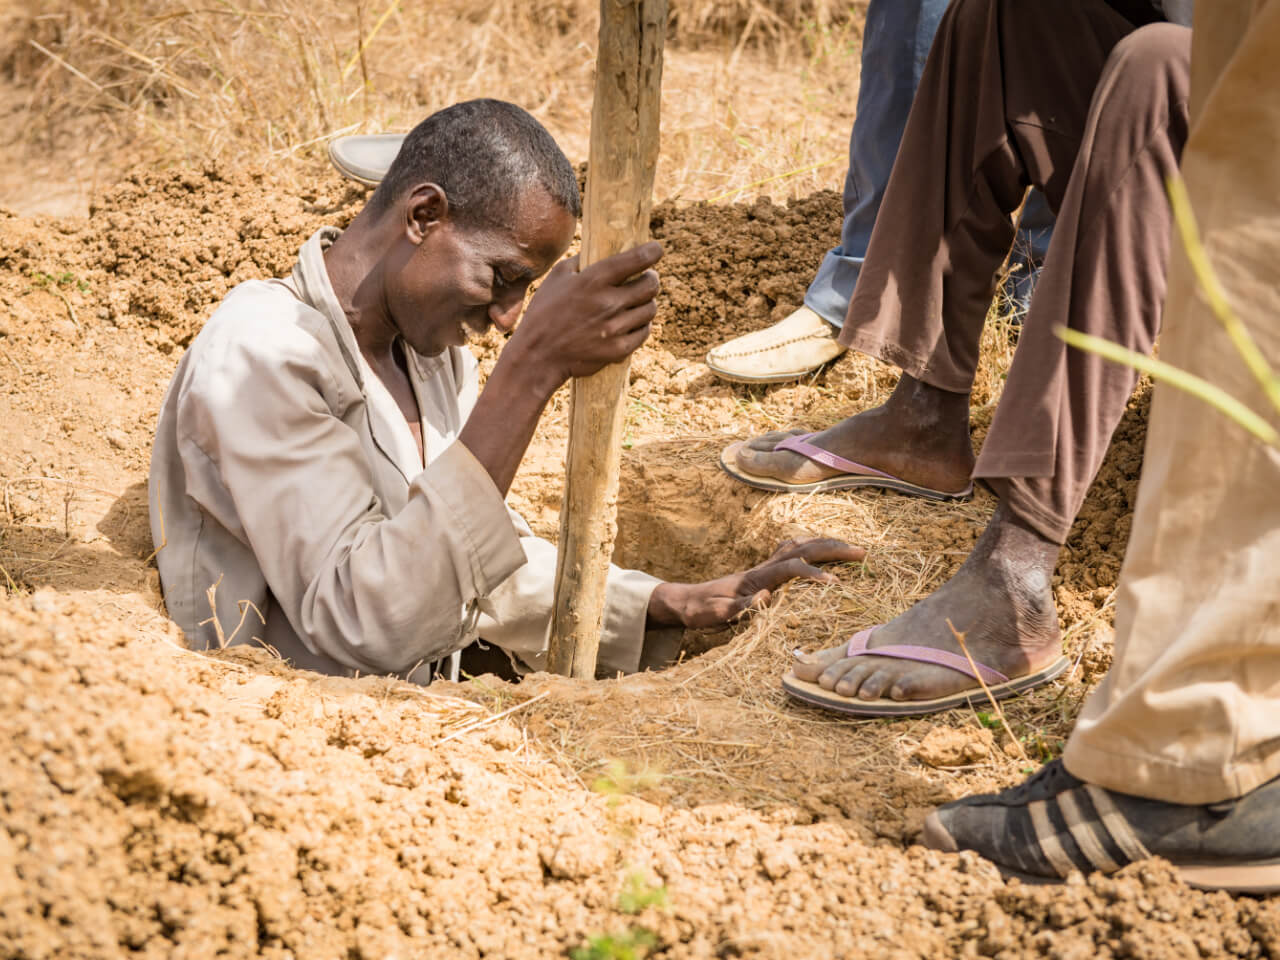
1082 831
1048 839
1116 824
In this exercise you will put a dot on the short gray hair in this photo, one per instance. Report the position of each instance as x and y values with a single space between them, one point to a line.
484 154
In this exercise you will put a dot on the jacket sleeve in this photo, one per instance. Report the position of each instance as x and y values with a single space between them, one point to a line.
517 616
373 592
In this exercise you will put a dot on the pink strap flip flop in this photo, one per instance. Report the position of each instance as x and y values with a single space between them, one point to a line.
997 683
853 474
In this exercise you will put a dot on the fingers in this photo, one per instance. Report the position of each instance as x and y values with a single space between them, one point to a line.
818 550
640 289
631 319
753 601
770 576
617 268
630 343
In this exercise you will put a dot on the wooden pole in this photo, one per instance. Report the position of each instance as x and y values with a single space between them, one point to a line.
620 162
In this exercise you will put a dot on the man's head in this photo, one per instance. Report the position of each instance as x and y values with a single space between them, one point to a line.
481 201
484 154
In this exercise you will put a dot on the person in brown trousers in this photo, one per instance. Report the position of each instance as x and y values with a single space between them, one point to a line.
1089 105
1177 753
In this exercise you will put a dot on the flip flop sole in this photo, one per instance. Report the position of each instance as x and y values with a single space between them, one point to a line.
845 481
816 696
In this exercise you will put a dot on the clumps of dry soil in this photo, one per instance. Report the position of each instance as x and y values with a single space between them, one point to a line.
730 269
170 245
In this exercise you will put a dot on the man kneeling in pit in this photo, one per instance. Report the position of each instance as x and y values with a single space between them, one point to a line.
324 452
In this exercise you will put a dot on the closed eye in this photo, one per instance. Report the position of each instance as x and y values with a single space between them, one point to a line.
510 276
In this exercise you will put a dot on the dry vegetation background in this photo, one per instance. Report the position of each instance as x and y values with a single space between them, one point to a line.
103 84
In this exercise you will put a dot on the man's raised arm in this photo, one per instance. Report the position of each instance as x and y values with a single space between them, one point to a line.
576 323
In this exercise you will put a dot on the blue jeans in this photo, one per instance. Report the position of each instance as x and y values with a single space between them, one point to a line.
895 45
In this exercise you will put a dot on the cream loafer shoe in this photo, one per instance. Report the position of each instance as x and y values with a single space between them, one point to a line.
365 158
788 350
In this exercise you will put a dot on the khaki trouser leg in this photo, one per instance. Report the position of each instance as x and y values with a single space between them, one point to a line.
1190 711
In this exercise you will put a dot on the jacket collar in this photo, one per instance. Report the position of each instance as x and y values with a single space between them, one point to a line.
311 279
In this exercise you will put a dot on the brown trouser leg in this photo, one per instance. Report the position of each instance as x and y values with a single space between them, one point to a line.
1004 102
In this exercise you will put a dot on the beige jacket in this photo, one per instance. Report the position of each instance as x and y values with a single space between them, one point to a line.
285 476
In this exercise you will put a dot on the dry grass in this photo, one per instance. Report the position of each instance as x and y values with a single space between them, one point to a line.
718 728
175 81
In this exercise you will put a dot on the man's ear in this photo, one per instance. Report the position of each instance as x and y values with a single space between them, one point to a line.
426 209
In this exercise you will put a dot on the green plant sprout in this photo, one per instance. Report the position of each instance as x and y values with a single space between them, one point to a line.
1215 295
638 894
617 781
64 279
633 944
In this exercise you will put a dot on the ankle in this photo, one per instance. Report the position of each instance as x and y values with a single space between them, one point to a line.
921 406
1023 559
1012 534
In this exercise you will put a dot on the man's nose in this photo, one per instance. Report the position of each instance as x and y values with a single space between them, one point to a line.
505 312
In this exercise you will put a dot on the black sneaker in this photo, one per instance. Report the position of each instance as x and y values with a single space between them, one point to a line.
1052 824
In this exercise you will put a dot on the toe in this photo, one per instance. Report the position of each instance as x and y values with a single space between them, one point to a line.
907 687
785 466
810 666
767 441
844 678
874 686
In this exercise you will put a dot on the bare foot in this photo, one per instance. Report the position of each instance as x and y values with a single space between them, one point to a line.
1001 599
920 434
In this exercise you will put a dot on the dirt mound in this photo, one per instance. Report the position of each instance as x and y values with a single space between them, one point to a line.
174 243
160 250
157 801
156 804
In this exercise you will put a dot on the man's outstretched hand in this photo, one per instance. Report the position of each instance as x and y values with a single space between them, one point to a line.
718 601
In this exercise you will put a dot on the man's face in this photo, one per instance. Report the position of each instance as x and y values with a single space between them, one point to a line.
461 279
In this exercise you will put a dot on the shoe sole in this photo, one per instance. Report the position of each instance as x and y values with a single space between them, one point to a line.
1253 878
362 171
787 377
766 378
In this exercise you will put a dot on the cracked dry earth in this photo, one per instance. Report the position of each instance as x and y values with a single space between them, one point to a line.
159 803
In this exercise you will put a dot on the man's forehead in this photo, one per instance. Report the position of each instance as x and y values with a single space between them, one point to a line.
536 201
540 221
